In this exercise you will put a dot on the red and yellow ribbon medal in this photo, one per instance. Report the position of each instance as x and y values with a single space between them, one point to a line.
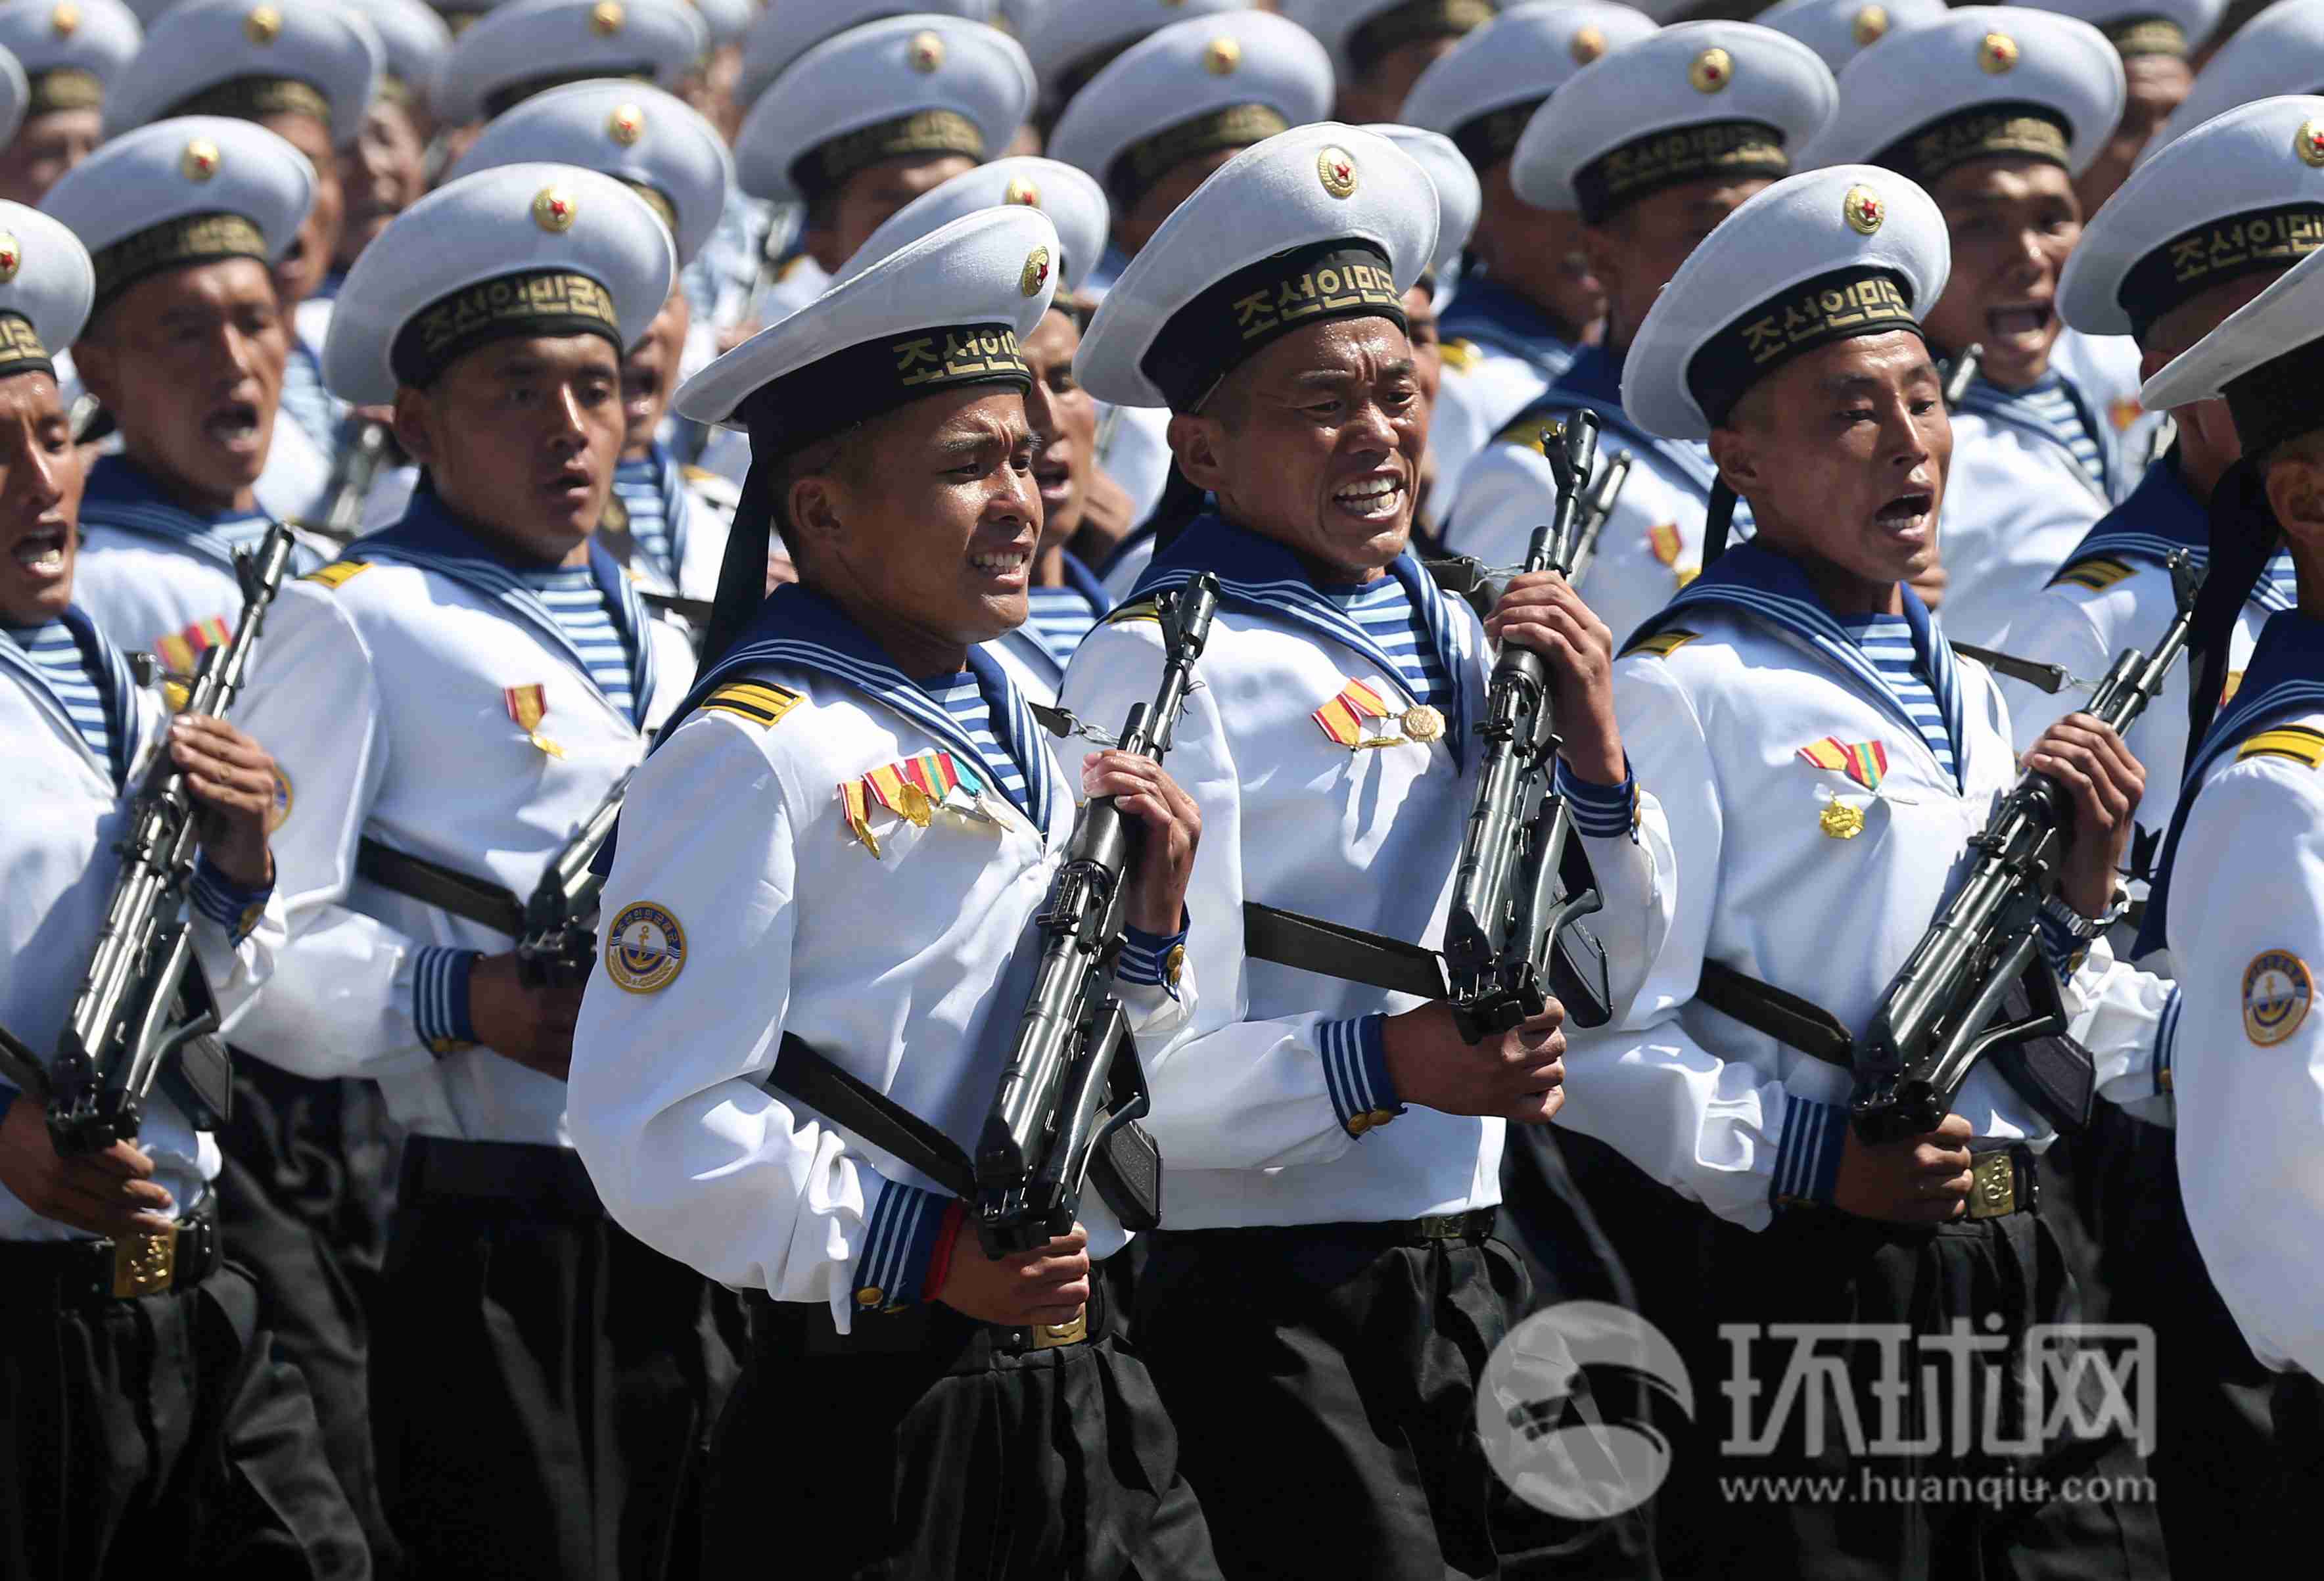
914 790
528 706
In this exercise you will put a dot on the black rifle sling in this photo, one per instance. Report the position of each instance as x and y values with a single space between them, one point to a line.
446 888
848 1101
1310 943
1790 1020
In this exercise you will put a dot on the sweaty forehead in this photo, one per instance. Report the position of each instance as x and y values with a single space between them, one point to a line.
1359 348
2004 179
32 397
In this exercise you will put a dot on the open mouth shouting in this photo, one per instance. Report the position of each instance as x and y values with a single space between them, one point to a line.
2021 327
1910 518
234 426
1377 497
1052 474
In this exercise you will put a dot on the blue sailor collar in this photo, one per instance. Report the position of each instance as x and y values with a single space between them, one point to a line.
800 629
430 539
1769 587
1082 584
2015 407
122 495
116 690
667 479
2161 518
1262 576
1487 311
2285 677
1595 381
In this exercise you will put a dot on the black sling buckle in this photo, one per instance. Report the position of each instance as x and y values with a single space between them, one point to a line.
848 1101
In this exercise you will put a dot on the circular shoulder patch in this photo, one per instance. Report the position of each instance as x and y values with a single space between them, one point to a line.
277 814
645 949
2277 988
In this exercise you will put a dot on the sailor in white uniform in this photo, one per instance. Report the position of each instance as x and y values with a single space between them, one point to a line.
1995 110
147 1416
1837 29
1380 48
1654 145
1528 299
185 346
670 531
306 73
1065 599
2158 41
2272 52
524 47
70 51
1825 756
1336 1148
1069 42
833 857
1150 125
459 694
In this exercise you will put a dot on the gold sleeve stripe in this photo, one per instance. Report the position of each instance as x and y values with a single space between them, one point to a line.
1662 644
759 702
1143 610
339 573
1458 354
2098 576
1524 432
2294 741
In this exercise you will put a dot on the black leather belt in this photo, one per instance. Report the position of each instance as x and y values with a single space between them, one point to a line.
522 1178
50 1275
1474 1226
792 1329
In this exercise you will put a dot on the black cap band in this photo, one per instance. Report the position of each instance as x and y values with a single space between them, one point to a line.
21 351
253 98
1138 167
867 380
2280 400
1735 150
2192 262
180 242
1227 325
1839 304
2133 36
823 168
536 302
1412 21
64 88
2023 130
510 95
1493 136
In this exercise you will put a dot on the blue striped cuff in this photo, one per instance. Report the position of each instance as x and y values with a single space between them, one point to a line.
2059 948
440 997
2166 1042
899 1238
227 903
1355 1072
1155 959
1602 812
1807 1159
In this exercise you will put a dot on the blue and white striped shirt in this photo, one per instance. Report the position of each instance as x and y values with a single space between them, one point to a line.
2051 401
964 700
2282 579
53 649
1389 619
1888 641
1058 618
638 485
588 620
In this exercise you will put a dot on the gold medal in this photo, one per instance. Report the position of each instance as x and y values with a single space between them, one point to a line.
1423 723
1840 821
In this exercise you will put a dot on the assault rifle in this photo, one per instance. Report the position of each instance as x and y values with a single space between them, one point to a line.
352 476
1073 1088
1596 509
1514 936
141 1000
1981 962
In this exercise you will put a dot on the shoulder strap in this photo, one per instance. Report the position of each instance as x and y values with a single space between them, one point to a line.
1790 1020
446 888
803 1074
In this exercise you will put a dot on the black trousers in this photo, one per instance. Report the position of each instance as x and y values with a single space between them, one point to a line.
927 1446
1953 1471
1323 1381
543 1382
160 1436
304 1199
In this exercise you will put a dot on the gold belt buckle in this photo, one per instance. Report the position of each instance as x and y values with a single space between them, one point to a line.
1051 1335
1992 1185
143 1265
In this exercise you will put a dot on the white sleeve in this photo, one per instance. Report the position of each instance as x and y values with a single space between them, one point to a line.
2122 1016
2247 932
1712 1129
2053 629
338 1000
692 1154
1637 875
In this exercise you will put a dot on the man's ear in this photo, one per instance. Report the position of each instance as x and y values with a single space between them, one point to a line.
815 511
413 431
1194 442
1737 459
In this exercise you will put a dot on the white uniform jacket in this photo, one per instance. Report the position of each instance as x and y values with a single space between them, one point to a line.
295 484
786 897
66 811
2242 900
1499 355
2106 369
2113 592
1271 1105
1652 543
428 702
1803 877
2016 502
157 576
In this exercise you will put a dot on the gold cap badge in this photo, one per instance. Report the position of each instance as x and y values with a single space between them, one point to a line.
1336 166
554 210
605 18
925 53
1864 210
2308 142
1712 70
1035 275
1871 25
65 20
1997 54
1588 44
1022 192
12 257
627 124
1222 57
200 161
264 25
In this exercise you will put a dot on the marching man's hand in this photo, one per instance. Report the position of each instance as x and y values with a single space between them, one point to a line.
1542 612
